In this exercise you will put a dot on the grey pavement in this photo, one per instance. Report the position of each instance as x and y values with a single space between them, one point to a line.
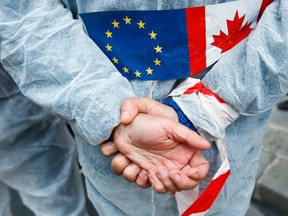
270 197
271 188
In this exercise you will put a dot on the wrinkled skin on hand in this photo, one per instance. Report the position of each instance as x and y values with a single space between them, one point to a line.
163 152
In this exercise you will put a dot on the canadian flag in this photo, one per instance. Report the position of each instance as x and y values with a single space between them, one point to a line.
219 28
217 38
215 29
220 31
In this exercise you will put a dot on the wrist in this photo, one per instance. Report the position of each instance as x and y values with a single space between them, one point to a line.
182 118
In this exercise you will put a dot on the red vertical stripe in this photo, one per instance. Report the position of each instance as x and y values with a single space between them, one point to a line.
264 4
195 19
207 198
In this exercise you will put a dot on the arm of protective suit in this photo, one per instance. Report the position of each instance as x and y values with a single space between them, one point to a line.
59 67
251 78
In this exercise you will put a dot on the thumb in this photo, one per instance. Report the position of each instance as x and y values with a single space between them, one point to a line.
131 107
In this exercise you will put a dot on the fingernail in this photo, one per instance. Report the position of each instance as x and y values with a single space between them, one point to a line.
135 166
175 177
143 174
125 115
112 146
162 173
195 175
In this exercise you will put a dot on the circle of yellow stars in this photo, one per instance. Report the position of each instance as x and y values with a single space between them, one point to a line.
141 25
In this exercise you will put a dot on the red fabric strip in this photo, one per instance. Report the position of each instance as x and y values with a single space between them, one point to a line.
200 88
196 30
264 4
207 198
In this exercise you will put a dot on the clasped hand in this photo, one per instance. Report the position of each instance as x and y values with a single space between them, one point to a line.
155 149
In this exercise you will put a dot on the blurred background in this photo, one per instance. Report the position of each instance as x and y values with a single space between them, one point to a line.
270 197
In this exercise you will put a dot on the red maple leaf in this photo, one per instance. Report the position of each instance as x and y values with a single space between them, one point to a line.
236 33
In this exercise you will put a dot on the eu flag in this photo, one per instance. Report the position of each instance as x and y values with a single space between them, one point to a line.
148 45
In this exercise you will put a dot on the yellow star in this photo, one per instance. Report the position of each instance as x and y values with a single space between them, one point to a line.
126 70
141 24
115 24
115 60
158 49
108 47
153 35
127 20
137 73
109 34
157 62
149 70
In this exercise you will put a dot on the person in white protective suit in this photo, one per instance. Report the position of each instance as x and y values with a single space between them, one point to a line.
77 82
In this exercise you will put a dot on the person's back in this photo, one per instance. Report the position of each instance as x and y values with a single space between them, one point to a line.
242 145
81 85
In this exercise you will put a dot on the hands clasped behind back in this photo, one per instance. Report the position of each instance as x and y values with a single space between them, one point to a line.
155 148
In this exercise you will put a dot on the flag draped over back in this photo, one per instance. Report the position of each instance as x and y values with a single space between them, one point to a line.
171 44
